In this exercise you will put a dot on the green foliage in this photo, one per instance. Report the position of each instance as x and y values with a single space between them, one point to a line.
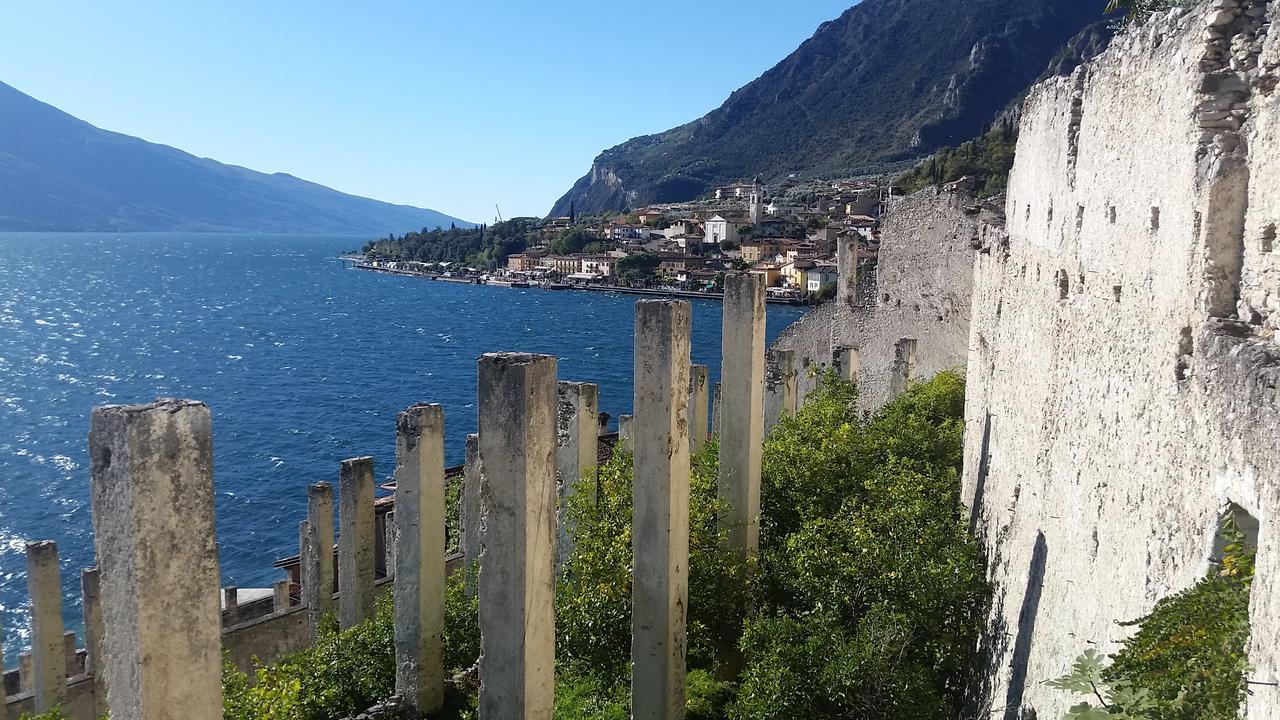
1187 659
871 589
824 293
572 241
593 604
1136 11
637 267
346 671
482 247
987 158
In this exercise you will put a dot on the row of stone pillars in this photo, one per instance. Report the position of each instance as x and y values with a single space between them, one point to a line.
153 616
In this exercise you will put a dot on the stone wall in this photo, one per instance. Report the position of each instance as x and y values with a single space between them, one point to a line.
1122 371
917 290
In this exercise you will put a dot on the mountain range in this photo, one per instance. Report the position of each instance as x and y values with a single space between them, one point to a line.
887 82
60 173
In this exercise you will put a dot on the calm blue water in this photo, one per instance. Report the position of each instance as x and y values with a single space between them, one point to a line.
303 364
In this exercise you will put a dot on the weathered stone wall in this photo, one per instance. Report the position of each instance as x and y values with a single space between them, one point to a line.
1117 404
919 289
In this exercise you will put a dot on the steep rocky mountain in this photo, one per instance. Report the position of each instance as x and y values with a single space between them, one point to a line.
61 173
887 81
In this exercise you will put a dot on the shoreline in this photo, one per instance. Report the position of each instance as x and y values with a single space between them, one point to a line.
591 288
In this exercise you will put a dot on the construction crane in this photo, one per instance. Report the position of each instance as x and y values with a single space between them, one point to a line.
495 207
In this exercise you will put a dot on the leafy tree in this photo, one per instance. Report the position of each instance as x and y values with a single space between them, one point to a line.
637 267
572 241
871 589
988 159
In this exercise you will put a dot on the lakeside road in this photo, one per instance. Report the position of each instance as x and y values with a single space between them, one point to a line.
592 288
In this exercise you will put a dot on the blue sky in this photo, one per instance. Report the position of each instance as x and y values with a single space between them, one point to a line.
449 105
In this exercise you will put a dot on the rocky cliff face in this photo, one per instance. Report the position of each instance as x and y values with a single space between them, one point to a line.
889 80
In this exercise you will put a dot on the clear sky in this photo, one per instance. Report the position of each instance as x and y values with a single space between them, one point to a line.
449 105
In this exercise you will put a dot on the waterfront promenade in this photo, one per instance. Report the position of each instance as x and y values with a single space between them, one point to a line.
651 292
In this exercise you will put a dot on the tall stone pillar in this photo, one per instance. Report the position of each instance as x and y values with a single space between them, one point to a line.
280 595
742 402
626 432
698 395
577 448
25 681
48 656
716 410
904 367
94 635
779 387
847 268
356 541
517 405
420 577
660 521
320 517
309 576
4 705
470 541
153 521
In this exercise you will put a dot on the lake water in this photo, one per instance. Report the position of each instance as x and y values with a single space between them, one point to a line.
302 362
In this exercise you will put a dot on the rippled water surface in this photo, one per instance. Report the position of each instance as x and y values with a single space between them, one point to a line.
302 362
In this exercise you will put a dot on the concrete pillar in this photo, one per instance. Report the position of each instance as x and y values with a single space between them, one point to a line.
847 268
698 396
420 576
904 367
742 402
71 662
91 607
577 449
626 432
779 387
517 406
470 542
313 589
715 410
660 521
153 521
280 595
577 414
390 541
48 654
26 678
320 516
230 597
356 541
4 704
848 363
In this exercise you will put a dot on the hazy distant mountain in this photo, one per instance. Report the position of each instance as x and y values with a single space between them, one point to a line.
61 173
887 81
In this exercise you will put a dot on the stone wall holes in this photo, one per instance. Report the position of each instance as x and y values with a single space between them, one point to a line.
1186 349
1155 218
1224 237
1079 219
904 366
1268 238
1234 524
1063 281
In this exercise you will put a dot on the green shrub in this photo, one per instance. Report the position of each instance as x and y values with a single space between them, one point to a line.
871 590
346 671
593 603
1187 659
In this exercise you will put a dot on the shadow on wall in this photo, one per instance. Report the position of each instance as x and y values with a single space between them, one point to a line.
1026 629
980 484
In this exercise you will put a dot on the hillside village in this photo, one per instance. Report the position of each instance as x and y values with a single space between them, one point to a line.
786 234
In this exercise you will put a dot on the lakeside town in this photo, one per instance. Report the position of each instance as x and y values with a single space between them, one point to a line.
787 234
